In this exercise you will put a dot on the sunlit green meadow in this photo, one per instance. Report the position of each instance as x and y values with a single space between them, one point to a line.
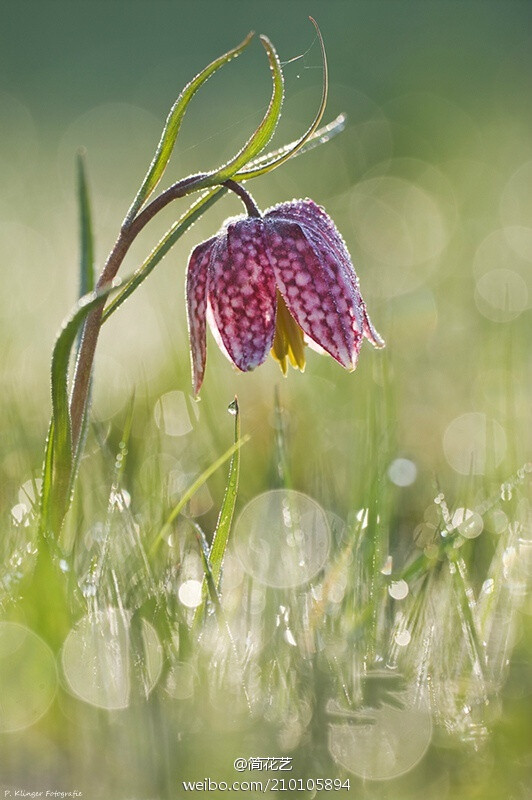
372 622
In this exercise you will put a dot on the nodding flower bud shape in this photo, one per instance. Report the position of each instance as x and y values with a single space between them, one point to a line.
273 282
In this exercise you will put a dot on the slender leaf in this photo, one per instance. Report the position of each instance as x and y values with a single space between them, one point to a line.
209 582
173 123
162 248
58 462
225 518
258 141
47 479
192 489
246 174
320 136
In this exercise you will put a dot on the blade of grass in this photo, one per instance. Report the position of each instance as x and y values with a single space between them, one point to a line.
173 124
213 556
192 489
86 260
225 518
87 278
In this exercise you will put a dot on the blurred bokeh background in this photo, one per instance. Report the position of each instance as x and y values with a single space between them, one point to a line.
430 185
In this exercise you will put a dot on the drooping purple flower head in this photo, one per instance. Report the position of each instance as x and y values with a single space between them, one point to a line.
270 283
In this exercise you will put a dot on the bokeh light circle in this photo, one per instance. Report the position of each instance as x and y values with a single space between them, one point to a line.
97 659
396 221
282 538
28 677
471 441
174 415
516 199
190 593
501 295
385 742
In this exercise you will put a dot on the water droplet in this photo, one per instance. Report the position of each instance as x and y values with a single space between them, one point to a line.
472 525
506 491
403 638
388 566
289 637
402 472
233 407
398 590
488 586
64 565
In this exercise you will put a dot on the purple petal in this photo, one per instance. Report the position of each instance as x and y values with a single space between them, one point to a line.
318 295
328 241
242 293
196 293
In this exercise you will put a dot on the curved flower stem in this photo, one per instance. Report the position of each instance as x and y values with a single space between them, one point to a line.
237 188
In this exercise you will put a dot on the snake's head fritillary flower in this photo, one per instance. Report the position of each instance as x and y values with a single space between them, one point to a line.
272 283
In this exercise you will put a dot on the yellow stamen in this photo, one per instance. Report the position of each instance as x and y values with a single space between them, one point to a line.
288 342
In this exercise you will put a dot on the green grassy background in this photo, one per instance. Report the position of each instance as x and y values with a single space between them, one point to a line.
430 185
